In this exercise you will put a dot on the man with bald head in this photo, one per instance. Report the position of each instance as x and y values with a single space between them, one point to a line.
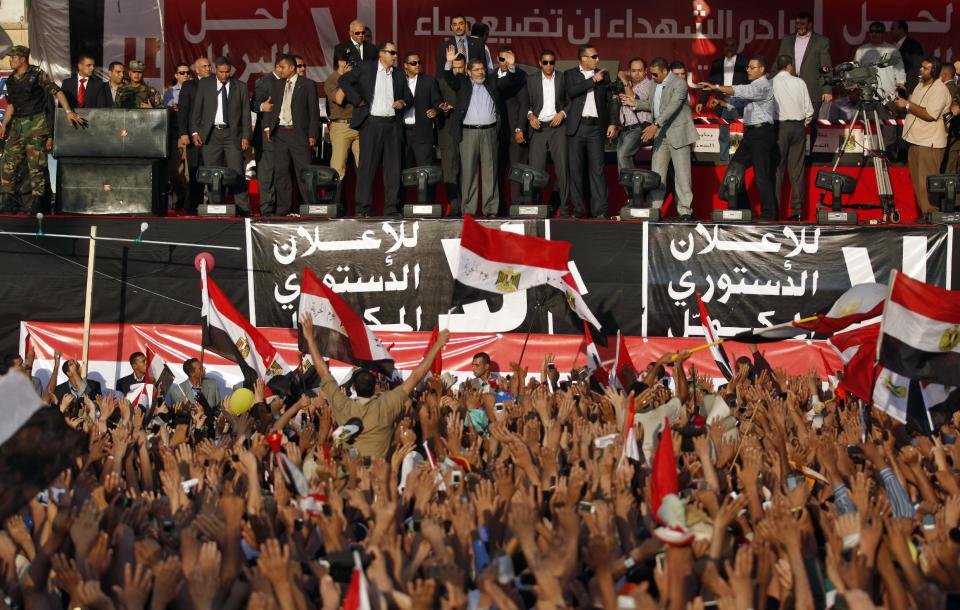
203 68
355 49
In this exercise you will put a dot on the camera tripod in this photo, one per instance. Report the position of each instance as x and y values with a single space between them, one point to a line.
867 112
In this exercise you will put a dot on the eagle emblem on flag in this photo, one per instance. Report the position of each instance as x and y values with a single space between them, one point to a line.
897 390
508 280
243 347
950 339
275 368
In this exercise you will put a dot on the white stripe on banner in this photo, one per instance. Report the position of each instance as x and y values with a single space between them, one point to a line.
916 330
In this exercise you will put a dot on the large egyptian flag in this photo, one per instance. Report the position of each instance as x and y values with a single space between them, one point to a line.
339 331
227 333
710 333
36 444
862 302
623 370
501 262
920 332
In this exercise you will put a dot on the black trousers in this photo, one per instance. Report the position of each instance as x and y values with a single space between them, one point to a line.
585 152
417 151
223 150
380 142
759 150
509 153
287 147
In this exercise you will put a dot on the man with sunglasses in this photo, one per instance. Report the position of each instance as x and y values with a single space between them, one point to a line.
262 90
419 117
202 68
379 94
591 117
301 66
355 49
544 101
447 144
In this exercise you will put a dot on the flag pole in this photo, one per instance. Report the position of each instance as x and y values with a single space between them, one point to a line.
698 348
88 302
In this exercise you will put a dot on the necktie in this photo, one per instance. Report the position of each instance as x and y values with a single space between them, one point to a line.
360 51
286 112
82 92
223 104
462 47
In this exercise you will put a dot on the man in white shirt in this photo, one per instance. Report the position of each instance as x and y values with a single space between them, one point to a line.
729 70
889 78
794 113
418 118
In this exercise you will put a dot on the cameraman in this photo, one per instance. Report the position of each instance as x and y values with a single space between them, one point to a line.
925 130
890 77
634 121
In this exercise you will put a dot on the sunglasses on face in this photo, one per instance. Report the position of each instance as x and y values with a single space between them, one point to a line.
593 56
389 52
548 62
502 59
183 72
413 63
360 33
299 66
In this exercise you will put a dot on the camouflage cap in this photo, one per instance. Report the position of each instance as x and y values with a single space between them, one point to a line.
135 66
18 50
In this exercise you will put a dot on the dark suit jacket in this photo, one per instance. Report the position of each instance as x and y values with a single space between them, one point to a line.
205 109
513 105
577 87
912 54
715 76
124 383
347 51
475 50
305 107
188 91
816 55
461 84
359 85
93 390
97 96
445 120
531 98
426 97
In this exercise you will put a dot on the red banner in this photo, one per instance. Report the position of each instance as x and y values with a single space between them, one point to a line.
253 32
111 345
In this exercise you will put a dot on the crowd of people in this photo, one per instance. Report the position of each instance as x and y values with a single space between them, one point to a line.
481 114
513 489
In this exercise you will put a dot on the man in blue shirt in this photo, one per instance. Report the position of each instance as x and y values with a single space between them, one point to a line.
759 145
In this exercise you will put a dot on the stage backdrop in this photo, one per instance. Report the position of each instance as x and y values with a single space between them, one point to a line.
254 31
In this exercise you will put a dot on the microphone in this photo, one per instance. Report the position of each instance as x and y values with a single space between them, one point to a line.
40 232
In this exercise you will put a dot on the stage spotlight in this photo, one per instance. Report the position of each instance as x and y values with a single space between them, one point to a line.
730 192
638 183
943 188
218 179
313 179
422 178
531 181
837 185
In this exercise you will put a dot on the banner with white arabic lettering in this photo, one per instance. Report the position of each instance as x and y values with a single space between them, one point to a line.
253 32
755 276
397 275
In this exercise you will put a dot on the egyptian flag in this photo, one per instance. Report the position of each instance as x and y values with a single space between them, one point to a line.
501 262
573 296
623 367
862 302
230 335
920 331
630 449
664 472
357 597
36 444
339 331
907 400
858 351
594 364
158 373
141 395
717 351
436 367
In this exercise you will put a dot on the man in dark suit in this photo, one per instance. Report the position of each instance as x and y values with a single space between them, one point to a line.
449 147
292 123
592 115
419 118
202 69
83 89
355 50
910 50
475 123
811 55
75 384
543 101
729 70
264 149
379 94
220 126
468 46
138 362
513 144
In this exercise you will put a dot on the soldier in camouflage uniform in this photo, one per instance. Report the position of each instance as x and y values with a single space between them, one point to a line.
25 127
137 94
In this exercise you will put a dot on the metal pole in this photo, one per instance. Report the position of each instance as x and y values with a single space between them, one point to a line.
88 305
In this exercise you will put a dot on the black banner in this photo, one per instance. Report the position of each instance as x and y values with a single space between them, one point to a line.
396 274
754 276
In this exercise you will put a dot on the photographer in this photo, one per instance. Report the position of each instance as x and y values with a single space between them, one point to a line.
890 77
634 121
925 130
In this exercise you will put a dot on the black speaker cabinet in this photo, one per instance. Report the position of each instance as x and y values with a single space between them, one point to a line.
112 186
113 132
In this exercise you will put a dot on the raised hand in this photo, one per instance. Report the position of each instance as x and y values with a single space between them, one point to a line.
136 587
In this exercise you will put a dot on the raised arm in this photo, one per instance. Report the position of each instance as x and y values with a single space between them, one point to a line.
424 367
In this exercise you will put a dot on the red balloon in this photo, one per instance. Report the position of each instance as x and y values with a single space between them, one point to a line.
204 256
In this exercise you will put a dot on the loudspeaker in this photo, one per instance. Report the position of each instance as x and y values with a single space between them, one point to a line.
113 132
112 186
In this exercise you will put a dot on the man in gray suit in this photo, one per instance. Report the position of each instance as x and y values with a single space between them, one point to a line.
197 389
672 132
220 124
543 100
811 56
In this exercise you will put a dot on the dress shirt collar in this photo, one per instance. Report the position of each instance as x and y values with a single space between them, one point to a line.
382 68
730 61
587 73
545 77
807 35
293 80
412 80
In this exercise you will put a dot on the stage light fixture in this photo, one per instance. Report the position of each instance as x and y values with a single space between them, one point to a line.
733 181
531 181
313 179
218 179
944 188
639 182
837 185
422 178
